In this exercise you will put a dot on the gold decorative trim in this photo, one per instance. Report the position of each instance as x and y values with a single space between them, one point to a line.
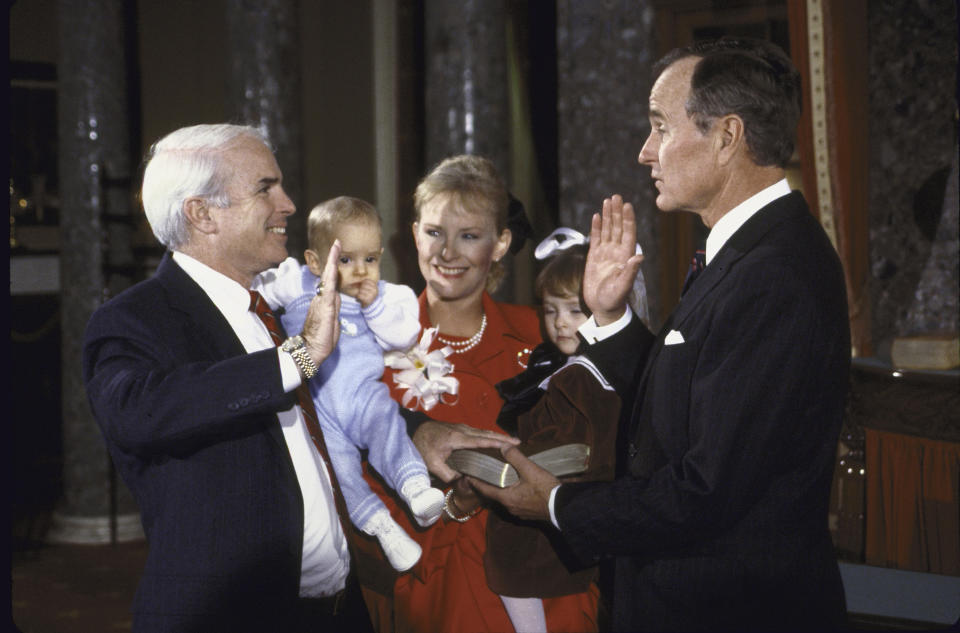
818 115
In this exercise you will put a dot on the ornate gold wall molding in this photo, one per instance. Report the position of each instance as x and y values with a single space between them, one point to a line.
818 101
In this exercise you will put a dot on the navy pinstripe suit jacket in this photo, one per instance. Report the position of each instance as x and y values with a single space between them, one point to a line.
190 421
719 520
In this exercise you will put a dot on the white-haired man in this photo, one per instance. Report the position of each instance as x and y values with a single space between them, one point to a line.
198 405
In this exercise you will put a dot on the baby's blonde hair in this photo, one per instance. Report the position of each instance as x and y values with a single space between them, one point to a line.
328 216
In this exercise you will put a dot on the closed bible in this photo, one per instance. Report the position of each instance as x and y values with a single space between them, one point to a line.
488 464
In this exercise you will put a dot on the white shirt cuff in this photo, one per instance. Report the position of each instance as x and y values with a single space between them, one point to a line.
550 504
289 371
593 333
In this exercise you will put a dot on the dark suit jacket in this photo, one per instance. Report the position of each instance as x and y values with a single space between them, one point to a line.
190 421
721 519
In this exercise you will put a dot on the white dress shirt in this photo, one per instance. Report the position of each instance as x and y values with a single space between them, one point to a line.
733 219
326 559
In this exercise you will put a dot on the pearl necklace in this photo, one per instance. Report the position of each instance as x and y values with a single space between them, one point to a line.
462 346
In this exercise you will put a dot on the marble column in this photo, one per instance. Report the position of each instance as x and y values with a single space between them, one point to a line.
264 90
913 169
604 54
96 260
467 104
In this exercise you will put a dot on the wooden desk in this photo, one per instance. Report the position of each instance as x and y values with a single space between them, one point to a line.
896 500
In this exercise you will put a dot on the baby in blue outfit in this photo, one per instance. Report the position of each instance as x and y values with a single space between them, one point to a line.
353 405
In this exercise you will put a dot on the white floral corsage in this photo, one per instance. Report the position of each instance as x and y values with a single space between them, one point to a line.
424 374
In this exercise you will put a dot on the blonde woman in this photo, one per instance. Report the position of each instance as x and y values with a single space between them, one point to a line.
461 231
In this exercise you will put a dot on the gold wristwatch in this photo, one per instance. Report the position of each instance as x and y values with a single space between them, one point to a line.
297 348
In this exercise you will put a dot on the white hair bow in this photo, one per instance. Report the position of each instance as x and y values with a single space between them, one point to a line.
561 239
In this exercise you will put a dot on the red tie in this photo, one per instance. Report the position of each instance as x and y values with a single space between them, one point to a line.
697 263
260 307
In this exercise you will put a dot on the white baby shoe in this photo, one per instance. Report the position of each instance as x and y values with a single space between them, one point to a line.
425 502
402 551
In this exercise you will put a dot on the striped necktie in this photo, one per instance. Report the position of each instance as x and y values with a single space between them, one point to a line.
262 310
697 264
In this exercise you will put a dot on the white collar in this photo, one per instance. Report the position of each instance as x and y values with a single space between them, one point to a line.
226 294
733 219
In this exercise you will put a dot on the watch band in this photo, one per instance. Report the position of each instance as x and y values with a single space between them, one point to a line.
304 363
297 348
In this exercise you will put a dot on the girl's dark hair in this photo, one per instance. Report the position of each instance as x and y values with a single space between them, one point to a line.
563 275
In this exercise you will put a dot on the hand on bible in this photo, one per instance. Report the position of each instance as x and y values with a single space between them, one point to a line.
436 440
527 499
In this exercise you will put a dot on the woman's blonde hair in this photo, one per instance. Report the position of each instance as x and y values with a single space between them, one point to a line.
473 184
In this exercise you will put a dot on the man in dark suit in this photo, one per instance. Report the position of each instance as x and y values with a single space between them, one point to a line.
199 410
719 520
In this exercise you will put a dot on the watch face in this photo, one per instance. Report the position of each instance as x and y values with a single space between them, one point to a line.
293 343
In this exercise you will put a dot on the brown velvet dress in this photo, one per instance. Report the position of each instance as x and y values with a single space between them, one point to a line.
447 590
529 559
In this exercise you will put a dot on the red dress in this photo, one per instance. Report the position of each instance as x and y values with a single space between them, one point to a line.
447 590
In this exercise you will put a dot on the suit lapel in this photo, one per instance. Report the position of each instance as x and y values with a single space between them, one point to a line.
212 333
739 244
211 329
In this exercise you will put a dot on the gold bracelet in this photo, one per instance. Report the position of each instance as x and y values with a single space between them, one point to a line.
448 502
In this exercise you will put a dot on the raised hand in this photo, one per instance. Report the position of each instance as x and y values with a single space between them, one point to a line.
321 328
612 262
527 499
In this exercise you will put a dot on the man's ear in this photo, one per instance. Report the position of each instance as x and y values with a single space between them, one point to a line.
197 213
731 137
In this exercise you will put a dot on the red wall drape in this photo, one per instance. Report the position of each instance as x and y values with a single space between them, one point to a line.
913 503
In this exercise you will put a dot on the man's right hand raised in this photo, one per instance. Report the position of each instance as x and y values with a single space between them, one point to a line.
612 261
321 328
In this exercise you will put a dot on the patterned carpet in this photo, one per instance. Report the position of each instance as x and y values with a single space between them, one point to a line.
75 588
